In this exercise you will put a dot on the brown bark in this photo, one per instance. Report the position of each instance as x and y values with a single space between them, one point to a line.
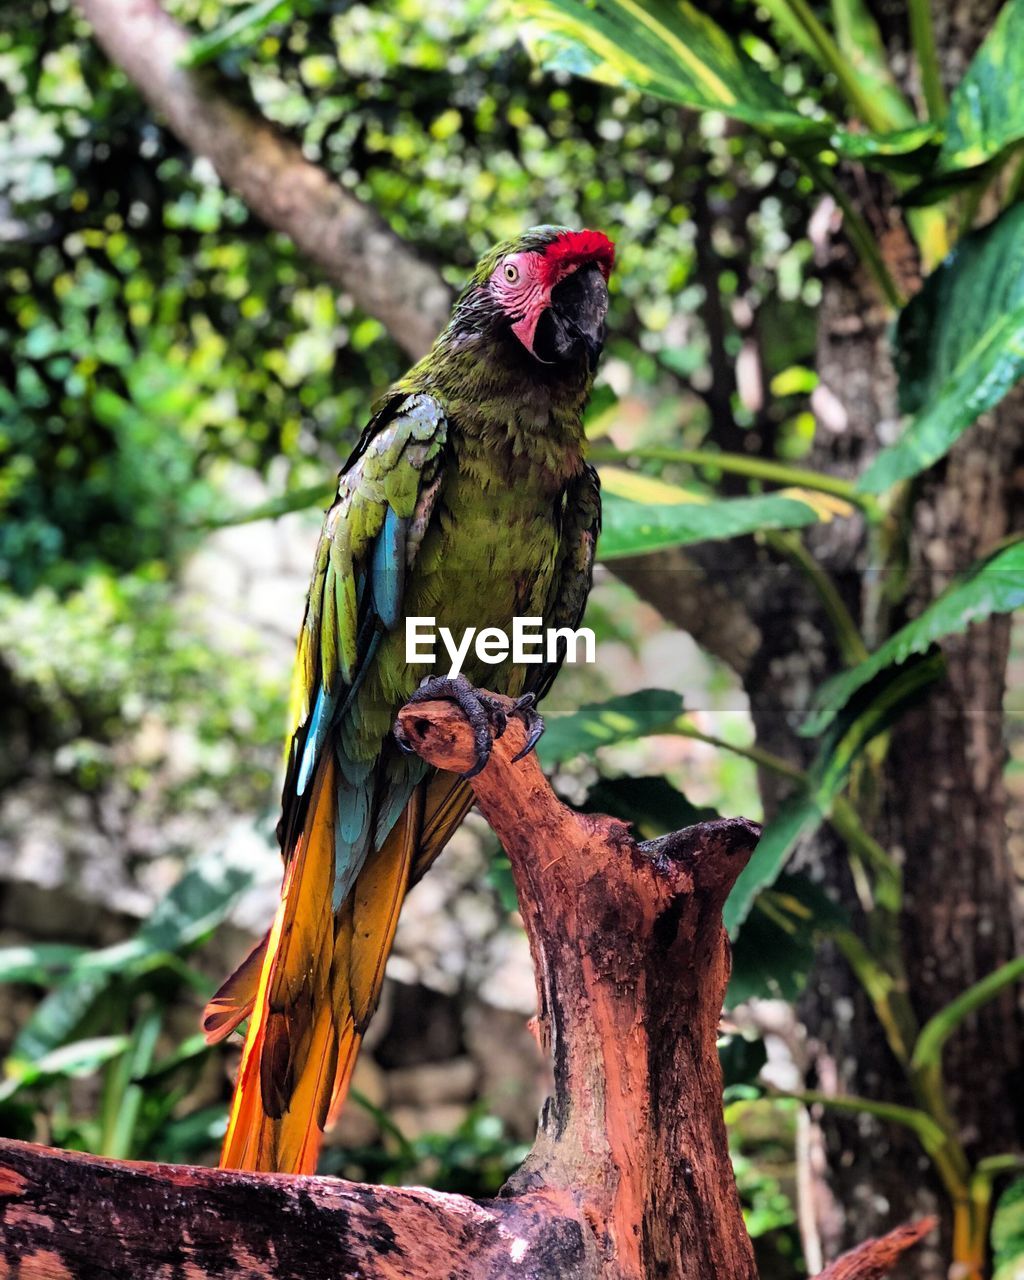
631 963
875 1258
67 1216
630 1174
347 238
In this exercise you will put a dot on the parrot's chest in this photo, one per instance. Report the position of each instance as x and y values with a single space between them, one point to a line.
491 557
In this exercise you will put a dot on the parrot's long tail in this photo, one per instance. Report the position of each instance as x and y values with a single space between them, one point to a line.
313 984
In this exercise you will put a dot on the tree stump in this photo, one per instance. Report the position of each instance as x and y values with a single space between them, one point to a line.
629 1178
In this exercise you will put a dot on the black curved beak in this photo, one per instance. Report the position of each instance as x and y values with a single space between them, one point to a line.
576 317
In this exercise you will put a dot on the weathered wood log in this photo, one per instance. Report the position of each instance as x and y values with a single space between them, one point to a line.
631 963
630 1176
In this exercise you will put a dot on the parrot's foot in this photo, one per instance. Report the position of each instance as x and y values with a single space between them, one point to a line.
483 712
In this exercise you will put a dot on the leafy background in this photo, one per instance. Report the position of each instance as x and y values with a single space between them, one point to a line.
172 372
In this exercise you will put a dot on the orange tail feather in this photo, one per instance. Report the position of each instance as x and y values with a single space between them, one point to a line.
318 987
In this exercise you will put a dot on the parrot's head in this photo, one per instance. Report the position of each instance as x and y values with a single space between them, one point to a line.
547 291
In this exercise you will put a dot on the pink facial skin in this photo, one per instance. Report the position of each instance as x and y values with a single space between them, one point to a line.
522 282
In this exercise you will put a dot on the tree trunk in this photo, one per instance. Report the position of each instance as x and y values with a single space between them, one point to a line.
940 805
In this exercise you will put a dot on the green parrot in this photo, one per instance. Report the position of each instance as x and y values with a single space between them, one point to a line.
467 500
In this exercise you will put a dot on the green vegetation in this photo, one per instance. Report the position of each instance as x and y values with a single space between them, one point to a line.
157 343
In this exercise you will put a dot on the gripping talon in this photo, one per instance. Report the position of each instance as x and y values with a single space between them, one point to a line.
525 709
482 712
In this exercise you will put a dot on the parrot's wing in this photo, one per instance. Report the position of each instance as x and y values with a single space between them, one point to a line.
354 810
370 538
567 599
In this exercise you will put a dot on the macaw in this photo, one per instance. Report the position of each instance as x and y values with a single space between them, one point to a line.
467 499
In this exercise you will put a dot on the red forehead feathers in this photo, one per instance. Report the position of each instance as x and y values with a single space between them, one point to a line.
571 248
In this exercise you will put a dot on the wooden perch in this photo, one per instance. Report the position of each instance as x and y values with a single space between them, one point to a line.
629 1177
875 1258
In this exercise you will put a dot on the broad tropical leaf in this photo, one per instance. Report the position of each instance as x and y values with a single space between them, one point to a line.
70 1061
633 528
37 963
909 150
995 585
674 51
652 805
861 43
799 816
603 724
196 905
671 50
959 348
875 708
1008 1233
774 953
986 109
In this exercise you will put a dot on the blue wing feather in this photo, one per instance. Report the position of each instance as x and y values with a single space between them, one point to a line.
389 569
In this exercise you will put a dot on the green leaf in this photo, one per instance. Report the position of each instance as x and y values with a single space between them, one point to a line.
200 900
633 528
876 707
190 1050
181 1141
774 953
861 43
37 964
676 52
603 724
959 348
741 1059
295 500
56 1018
800 815
652 805
71 1061
1008 1233
670 50
986 109
191 910
995 585
242 28
908 150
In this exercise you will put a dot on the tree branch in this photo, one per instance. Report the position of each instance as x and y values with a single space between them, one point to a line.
707 606
875 1258
631 963
347 239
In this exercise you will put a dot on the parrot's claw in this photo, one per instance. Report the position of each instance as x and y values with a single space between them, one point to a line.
526 709
484 713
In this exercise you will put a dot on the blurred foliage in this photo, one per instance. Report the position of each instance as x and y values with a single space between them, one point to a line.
114 659
152 326
474 1159
157 343
102 1021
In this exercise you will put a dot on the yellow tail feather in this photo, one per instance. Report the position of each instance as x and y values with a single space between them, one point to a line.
318 988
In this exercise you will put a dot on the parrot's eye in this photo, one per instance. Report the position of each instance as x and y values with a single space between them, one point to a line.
511 272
